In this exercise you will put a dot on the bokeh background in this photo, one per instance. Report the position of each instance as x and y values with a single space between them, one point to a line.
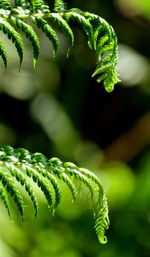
59 110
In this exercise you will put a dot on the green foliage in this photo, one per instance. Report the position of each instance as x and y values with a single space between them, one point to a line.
13 35
3 53
18 165
100 35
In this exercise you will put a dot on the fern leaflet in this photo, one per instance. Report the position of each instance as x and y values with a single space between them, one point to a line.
3 54
4 197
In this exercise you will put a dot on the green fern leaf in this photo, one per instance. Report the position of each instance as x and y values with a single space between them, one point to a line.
58 193
60 6
101 36
39 6
22 3
41 183
4 197
15 172
18 2
14 36
4 4
102 31
49 32
54 183
20 165
105 45
106 48
10 187
30 34
36 4
57 168
102 221
72 170
3 54
78 17
63 25
96 180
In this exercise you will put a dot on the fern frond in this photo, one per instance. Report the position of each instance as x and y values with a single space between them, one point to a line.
63 25
60 6
30 34
19 176
22 166
36 5
14 36
106 47
40 181
4 4
49 32
22 3
54 183
95 179
74 14
102 221
4 197
100 35
11 188
3 54
107 52
39 6
59 171
72 170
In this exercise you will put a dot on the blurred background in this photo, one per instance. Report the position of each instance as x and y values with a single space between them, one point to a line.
59 110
